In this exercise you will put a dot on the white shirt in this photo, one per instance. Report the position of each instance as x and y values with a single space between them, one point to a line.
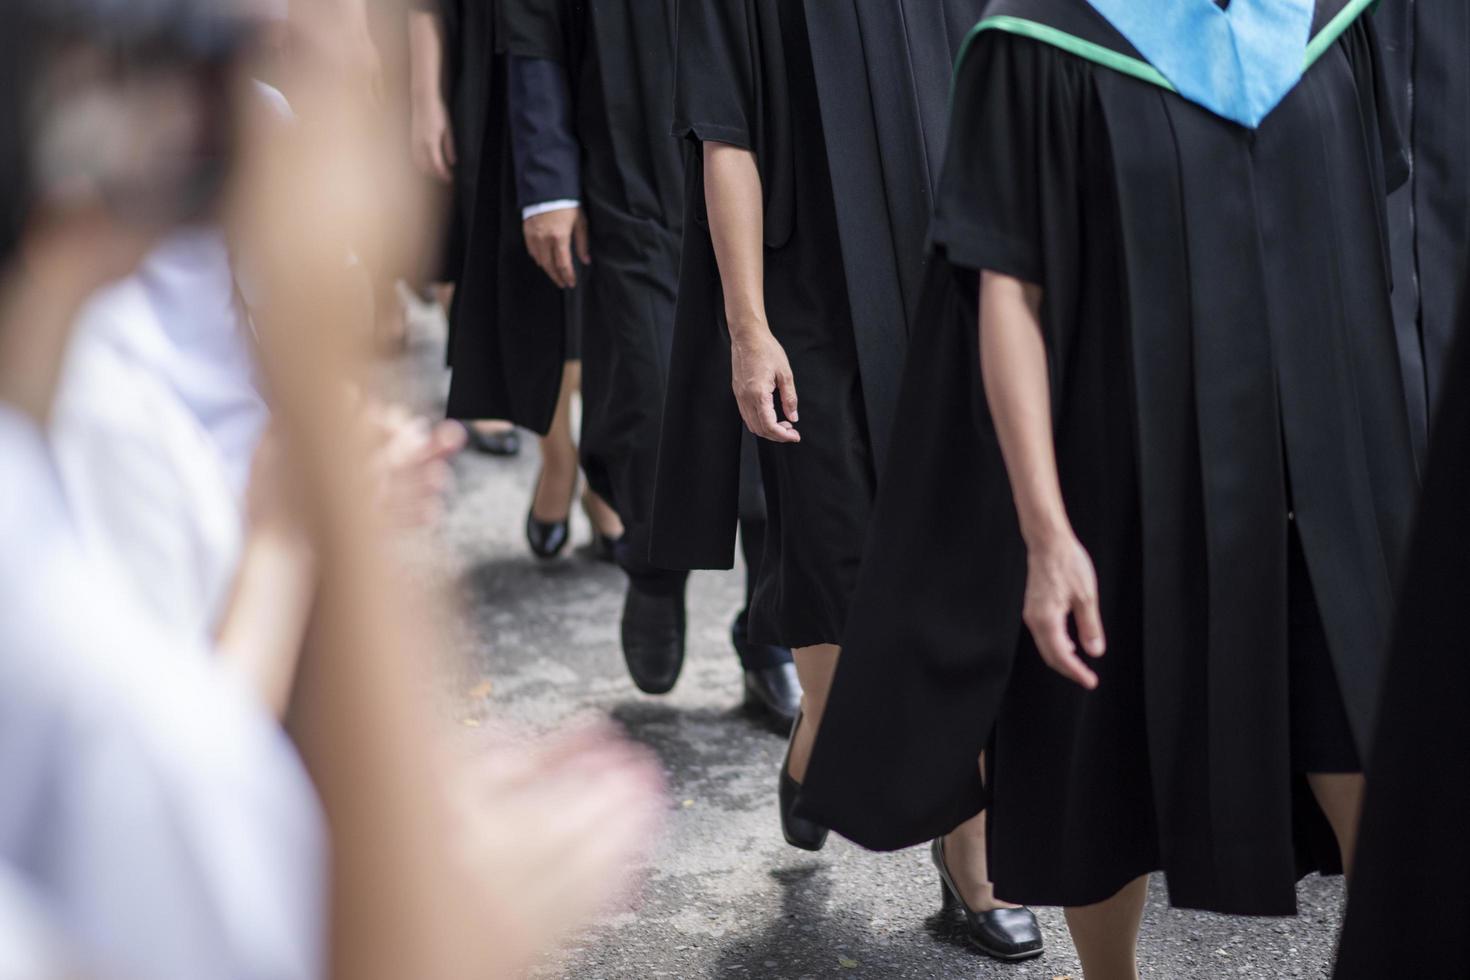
30 946
152 807
147 483
202 343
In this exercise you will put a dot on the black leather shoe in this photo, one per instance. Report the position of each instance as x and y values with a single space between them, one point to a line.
502 443
653 638
775 692
547 539
798 831
1011 935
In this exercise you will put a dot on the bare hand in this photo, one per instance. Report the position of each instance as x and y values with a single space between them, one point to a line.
1061 581
758 371
432 139
553 834
410 465
550 238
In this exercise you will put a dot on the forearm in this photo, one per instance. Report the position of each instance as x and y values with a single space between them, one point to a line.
366 734
1018 390
425 56
262 630
736 207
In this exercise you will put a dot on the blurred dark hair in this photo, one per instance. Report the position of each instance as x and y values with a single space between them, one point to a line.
187 36
17 75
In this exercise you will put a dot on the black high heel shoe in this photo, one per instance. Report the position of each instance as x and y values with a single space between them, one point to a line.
1010 935
547 538
798 831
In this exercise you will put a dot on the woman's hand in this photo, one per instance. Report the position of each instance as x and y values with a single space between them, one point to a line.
758 371
1061 582
433 138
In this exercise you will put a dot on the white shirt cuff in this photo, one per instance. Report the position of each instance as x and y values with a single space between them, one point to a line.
535 209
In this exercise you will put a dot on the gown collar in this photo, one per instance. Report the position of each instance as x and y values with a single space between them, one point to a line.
1239 63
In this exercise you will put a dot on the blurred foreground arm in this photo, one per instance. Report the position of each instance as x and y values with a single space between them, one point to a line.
410 899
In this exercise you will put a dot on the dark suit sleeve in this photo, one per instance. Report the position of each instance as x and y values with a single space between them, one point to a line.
543 134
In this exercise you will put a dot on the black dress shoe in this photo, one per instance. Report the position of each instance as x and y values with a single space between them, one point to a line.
547 538
798 831
775 692
653 637
501 443
1011 935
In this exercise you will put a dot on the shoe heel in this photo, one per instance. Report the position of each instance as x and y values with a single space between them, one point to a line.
947 901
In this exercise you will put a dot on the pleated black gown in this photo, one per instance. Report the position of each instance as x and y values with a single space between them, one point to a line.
1410 898
1218 325
843 106
1425 45
619 59
468 52
509 325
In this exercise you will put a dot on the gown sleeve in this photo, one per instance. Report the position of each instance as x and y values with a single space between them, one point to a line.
730 87
1008 194
717 82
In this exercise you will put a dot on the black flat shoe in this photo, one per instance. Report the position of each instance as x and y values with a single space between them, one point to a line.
653 638
503 443
1010 935
774 692
547 539
798 831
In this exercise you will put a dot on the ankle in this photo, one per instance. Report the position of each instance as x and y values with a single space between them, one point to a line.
801 751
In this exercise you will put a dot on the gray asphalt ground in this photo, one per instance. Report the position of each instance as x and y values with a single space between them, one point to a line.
725 897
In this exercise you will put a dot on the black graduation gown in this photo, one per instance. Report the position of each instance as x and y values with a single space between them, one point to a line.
881 80
1412 876
618 55
1216 313
467 33
509 324
1424 46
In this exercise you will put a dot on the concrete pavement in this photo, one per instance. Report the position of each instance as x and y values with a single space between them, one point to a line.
725 896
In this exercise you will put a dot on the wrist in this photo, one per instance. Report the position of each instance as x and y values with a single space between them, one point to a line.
747 326
1047 530
284 550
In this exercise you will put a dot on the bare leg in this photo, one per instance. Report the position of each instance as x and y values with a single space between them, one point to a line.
604 519
965 859
558 481
492 427
1106 934
815 666
1341 799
